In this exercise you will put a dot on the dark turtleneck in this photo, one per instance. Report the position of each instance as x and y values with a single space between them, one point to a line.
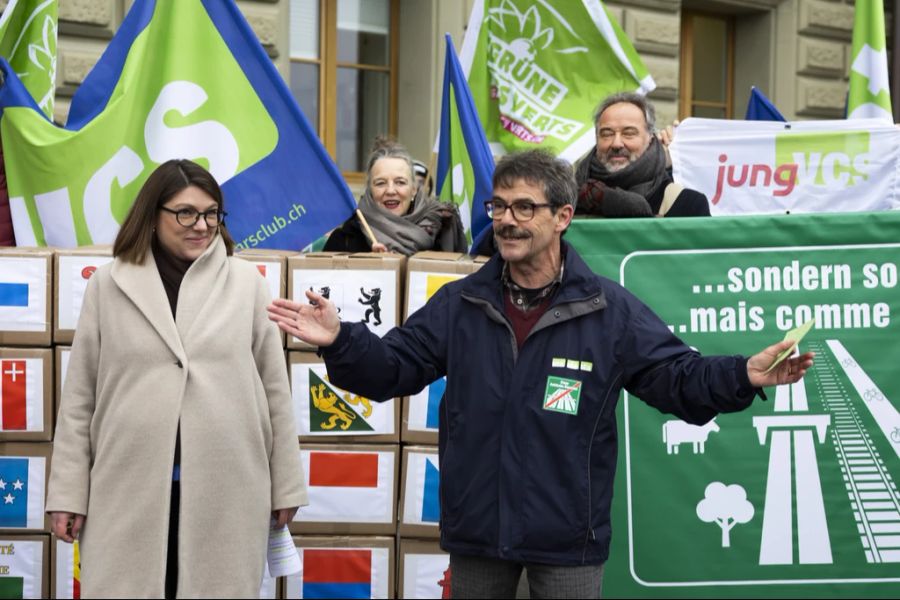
171 271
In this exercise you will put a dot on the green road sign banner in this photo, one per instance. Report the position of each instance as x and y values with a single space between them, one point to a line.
794 497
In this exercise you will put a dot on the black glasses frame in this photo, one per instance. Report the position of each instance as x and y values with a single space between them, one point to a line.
184 212
496 212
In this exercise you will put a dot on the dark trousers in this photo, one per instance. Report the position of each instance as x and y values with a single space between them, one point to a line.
476 577
172 554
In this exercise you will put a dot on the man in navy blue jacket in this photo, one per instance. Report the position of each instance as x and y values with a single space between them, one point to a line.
527 441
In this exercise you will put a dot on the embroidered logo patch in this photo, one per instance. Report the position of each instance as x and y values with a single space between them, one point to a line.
562 395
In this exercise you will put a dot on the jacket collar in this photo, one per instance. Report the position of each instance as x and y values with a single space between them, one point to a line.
142 284
578 283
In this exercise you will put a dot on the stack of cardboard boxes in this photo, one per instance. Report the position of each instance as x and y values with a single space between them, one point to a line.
371 528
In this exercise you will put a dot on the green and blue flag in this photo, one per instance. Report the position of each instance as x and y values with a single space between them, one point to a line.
178 80
465 166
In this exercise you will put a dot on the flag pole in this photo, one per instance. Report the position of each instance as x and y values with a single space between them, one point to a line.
366 228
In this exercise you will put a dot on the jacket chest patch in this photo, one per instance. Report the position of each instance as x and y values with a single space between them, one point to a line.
562 395
570 363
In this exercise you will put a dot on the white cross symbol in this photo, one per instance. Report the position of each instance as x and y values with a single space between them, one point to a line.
13 371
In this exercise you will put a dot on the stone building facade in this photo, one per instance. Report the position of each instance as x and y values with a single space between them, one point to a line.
796 51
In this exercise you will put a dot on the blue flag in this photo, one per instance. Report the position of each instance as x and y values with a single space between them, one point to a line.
13 492
760 108
465 165
178 80
431 503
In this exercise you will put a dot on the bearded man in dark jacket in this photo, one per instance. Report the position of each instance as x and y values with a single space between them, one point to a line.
625 174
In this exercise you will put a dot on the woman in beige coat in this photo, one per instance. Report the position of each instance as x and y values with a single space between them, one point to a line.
176 444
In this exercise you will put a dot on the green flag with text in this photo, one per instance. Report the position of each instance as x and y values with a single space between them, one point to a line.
28 43
538 69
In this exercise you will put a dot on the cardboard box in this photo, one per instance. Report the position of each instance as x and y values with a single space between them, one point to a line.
426 273
352 489
364 287
26 280
73 268
25 469
26 412
272 264
420 506
62 363
325 412
24 561
63 580
322 557
424 570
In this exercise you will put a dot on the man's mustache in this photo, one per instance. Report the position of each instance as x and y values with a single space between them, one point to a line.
511 232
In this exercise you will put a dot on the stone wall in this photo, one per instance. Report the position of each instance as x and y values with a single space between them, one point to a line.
86 26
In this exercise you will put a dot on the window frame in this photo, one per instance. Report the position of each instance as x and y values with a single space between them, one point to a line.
686 101
326 122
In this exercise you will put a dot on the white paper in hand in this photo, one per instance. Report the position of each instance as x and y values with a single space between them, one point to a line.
282 554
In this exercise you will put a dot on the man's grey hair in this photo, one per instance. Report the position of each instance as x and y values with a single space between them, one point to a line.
630 98
539 167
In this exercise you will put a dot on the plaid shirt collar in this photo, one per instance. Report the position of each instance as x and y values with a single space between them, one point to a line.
526 299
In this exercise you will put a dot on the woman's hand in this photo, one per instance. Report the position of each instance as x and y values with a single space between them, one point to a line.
66 526
316 323
283 516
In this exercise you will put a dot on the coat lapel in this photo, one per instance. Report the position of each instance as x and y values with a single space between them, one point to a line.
201 284
143 286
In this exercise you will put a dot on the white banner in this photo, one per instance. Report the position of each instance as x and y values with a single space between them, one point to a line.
761 167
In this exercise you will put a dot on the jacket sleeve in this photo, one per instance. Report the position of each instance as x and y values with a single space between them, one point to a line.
401 363
286 470
666 374
70 468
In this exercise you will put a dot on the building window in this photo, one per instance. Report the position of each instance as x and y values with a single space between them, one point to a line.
707 65
344 73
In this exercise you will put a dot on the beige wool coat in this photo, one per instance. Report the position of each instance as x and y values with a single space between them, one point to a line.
133 374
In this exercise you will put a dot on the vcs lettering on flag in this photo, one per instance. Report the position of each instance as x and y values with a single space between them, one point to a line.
22 486
357 572
21 395
350 486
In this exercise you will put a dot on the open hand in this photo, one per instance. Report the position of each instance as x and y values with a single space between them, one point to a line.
316 323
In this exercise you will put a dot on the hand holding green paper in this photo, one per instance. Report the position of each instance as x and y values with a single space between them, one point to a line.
776 366
794 335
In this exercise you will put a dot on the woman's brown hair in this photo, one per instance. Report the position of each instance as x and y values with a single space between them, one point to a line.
136 234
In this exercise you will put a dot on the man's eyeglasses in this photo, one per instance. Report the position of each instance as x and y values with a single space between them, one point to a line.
188 217
521 211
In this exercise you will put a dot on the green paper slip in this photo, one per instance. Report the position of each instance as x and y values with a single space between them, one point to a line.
794 335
